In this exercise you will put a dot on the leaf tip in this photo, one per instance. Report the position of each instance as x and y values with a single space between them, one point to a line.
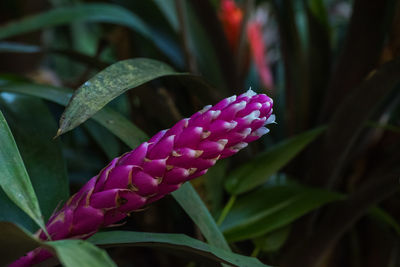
59 132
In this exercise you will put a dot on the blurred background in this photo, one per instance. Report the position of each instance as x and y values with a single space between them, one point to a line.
321 189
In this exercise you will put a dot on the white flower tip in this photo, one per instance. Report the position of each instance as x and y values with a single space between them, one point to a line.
249 93
231 125
270 120
246 132
215 114
206 108
240 145
205 134
260 131
239 106
223 142
231 99
252 116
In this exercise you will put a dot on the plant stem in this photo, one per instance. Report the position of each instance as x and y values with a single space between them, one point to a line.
256 250
226 209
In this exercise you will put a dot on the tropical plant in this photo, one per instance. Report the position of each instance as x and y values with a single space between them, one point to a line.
321 189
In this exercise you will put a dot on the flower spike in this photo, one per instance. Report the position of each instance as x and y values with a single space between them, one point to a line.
158 167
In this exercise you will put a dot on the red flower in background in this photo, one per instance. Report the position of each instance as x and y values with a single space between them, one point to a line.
231 17
258 52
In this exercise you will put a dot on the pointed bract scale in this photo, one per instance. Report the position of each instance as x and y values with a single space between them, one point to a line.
266 108
176 175
144 184
190 137
178 127
162 148
212 149
164 189
224 103
229 113
103 176
121 177
105 199
197 174
220 128
130 201
76 199
59 226
136 156
205 119
257 123
86 220
249 108
157 137
158 196
228 152
237 137
113 216
155 167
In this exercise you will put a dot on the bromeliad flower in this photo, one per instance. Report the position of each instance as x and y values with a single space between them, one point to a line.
158 167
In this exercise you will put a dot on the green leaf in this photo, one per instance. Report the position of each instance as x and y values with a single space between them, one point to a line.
270 208
175 241
385 217
14 243
255 172
273 241
33 127
107 85
214 184
72 253
110 119
106 13
167 7
191 202
104 139
14 179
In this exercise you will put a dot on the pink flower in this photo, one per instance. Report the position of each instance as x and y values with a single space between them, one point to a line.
158 167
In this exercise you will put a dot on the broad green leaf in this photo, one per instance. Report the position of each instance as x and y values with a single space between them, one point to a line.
14 179
106 13
131 136
270 208
202 48
33 127
256 171
104 139
110 119
385 217
177 242
273 241
168 8
107 85
14 242
214 184
72 253
191 202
